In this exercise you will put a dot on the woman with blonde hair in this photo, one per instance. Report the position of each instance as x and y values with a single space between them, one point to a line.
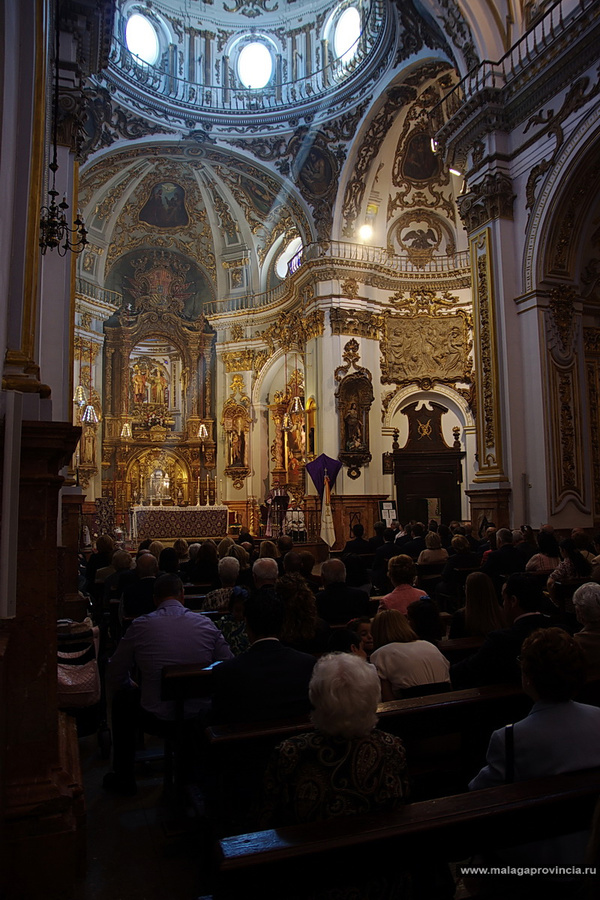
268 550
156 548
224 545
434 552
407 666
481 613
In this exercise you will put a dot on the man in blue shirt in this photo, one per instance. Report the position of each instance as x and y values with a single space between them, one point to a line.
171 635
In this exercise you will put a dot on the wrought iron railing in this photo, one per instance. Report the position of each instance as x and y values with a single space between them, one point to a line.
232 98
529 52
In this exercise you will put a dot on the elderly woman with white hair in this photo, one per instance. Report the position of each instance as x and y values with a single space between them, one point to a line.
586 601
345 766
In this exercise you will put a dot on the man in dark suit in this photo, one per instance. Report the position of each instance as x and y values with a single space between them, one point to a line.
268 681
415 546
337 603
496 661
383 554
358 544
138 594
378 539
504 561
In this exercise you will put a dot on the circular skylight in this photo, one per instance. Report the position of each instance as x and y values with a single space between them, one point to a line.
255 65
281 266
142 39
347 33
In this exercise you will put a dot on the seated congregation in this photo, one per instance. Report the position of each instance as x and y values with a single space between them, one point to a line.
368 685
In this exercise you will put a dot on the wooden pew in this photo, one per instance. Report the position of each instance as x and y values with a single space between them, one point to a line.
303 858
456 649
445 736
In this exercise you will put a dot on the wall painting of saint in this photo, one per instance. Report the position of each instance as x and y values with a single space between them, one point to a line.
165 207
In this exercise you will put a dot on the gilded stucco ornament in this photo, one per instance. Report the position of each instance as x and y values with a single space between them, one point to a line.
427 340
491 198
359 322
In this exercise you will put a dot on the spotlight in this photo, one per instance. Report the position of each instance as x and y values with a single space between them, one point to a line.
454 171
365 233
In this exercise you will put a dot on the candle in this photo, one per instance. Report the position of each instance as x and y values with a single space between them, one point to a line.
207 490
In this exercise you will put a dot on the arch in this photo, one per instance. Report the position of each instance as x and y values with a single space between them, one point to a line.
565 177
444 394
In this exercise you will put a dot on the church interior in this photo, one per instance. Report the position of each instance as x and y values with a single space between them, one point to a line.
242 236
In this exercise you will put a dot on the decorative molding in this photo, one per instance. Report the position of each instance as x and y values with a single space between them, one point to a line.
568 474
238 360
359 322
593 385
420 245
562 322
292 330
591 340
368 150
489 433
350 288
106 122
492 198
552 125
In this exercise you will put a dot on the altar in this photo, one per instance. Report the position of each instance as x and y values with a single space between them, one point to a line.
172 522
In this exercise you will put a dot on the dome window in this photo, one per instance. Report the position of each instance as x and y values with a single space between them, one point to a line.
346 35
284 258
142 39
255 65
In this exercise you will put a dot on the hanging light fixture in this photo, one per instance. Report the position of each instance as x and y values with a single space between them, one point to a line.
55 231
89 415
79 397
297 405
203 432
126 429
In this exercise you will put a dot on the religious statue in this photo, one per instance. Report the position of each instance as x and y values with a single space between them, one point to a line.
353 428
237 447
139 384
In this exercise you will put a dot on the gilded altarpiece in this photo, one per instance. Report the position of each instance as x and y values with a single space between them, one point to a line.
155 407
289 447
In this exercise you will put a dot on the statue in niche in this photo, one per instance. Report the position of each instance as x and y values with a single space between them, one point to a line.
353 429
88 445
139 384
237 445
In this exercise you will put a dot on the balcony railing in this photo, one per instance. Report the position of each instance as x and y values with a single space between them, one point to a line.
166 86
340 252
88 290
528 53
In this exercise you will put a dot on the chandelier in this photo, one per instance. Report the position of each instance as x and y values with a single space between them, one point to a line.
55 230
